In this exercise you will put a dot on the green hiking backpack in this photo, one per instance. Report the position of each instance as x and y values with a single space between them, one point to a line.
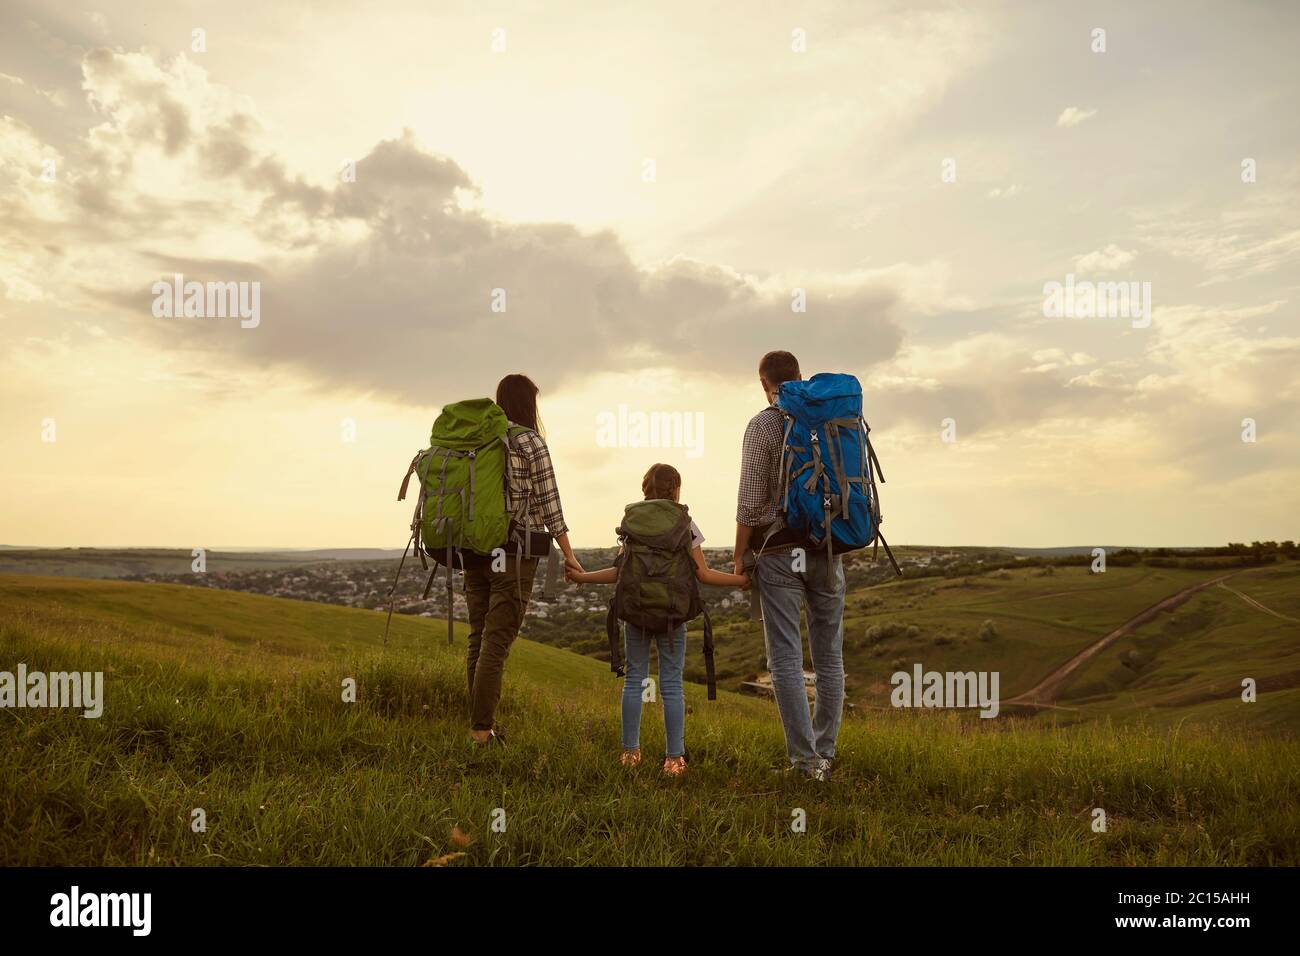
657 589
462 505
462 476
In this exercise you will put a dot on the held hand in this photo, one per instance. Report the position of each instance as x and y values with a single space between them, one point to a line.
571 576
748 582
571 563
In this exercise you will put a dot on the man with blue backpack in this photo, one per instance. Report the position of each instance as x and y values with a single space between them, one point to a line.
807 495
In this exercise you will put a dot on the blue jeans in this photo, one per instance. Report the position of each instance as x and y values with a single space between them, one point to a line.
783 592
636 651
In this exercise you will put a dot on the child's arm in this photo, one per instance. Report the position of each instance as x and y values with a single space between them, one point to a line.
707 575
603 576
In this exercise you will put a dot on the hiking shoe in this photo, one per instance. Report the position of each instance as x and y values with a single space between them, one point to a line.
821 771
495 738
630 758
674 766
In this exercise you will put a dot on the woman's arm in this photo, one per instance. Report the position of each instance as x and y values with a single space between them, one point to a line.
546 495
707 575
603 576
570 560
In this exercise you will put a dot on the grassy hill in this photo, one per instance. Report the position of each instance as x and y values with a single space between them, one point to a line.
232 703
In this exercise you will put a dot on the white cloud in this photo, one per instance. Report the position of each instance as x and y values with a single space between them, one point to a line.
1103 260
1252 238
1049 360
1073 116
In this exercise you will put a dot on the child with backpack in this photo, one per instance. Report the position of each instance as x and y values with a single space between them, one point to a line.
656 576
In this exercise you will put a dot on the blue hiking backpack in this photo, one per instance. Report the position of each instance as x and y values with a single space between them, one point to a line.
828 468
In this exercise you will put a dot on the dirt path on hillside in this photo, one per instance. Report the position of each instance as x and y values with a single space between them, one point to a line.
1046 691
1255 604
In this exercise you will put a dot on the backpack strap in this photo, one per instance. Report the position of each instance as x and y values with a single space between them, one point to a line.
615 644
450 606
784 469
401 493
709 675
837 463
612 630
418 514
897 569
428 586
551 587
830 555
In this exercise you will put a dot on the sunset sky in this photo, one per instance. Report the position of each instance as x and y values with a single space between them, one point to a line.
511 146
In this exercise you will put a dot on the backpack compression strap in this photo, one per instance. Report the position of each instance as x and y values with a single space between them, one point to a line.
708 657
709 676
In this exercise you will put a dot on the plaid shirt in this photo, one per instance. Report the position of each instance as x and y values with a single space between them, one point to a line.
531 481
760 469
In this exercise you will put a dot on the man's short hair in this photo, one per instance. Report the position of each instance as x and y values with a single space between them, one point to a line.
776 368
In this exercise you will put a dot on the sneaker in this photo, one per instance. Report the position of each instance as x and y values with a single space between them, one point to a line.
674 766
793 770
821 771
630 758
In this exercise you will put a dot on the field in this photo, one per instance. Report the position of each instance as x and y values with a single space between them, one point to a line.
231 703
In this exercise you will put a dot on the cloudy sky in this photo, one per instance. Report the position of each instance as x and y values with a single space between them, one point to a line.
649 184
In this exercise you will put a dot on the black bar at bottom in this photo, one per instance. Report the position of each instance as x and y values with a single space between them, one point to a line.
212 905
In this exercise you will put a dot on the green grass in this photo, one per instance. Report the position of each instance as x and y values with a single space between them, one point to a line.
1042 620
1189 665
231 703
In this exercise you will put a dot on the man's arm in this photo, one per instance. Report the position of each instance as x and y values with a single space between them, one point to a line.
743 533
754 504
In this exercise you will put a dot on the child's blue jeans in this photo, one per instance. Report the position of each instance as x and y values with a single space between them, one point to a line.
672 659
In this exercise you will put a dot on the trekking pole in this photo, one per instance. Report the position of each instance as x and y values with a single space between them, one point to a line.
392 592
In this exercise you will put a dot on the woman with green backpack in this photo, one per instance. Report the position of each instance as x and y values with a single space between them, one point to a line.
657 571
498 599
486 491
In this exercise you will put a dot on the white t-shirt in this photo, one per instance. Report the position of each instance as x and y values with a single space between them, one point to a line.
697 536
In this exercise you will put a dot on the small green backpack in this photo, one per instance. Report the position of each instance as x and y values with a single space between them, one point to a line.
657 589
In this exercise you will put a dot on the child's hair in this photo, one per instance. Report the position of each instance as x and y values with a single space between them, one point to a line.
661 481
